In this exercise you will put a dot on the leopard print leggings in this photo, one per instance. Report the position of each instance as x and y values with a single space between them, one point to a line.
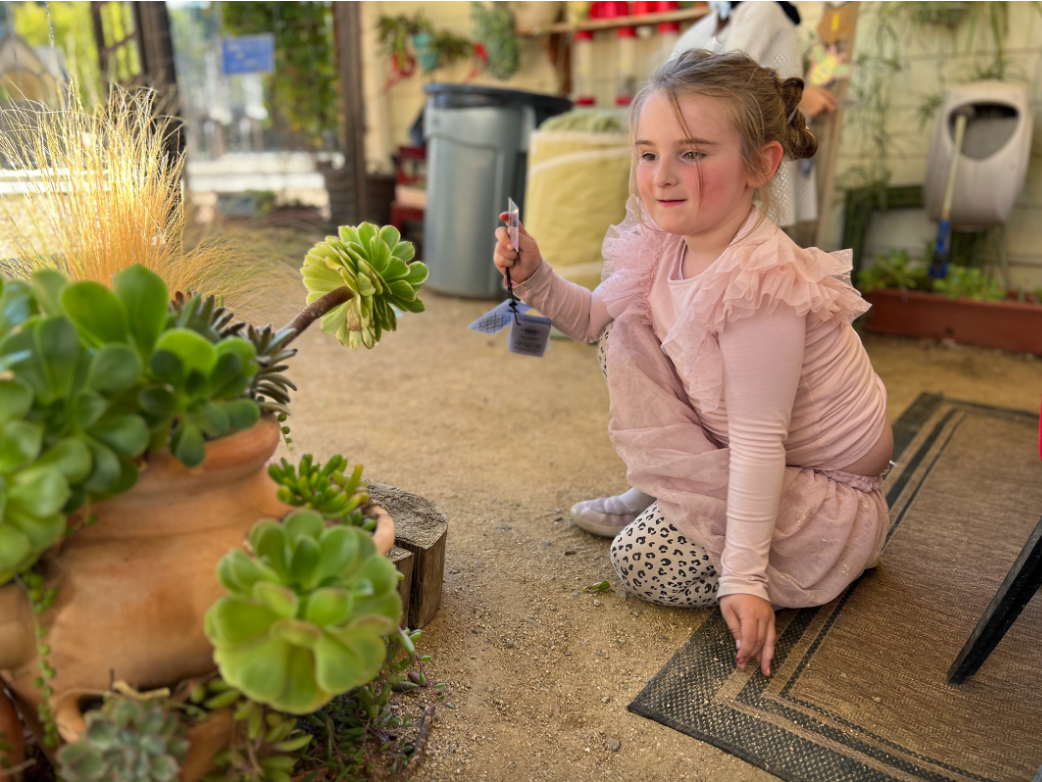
653 559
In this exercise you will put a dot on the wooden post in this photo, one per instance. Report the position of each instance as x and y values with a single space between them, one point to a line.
828 127
156 48
347 29
419 527
404 561
147 51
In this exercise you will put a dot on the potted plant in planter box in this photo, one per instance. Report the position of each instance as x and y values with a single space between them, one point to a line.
145 543
967 306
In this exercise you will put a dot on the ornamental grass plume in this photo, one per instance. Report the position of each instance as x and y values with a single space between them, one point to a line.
97 191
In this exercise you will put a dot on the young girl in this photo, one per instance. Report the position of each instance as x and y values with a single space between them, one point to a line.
741 398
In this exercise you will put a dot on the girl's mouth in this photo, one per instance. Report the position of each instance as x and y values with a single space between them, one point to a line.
670 201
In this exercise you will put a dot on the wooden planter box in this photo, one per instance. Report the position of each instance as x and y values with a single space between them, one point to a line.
1009 325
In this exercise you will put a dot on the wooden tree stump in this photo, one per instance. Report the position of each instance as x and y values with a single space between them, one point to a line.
404 560
420 527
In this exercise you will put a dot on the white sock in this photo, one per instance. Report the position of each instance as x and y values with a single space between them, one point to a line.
629 503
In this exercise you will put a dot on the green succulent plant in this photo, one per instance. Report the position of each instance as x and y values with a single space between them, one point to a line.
374 264
34 489
270 387
326 489
306 615
199 387
93 377
126 741
204 315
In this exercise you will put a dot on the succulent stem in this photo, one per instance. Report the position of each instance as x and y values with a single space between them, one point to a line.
314 311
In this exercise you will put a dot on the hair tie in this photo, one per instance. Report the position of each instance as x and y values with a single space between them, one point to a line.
792 116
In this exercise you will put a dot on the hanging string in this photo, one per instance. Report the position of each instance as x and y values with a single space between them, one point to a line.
14 47
50 25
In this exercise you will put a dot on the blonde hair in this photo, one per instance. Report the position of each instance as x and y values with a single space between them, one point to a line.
763 107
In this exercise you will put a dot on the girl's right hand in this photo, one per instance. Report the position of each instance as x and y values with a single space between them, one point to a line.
506 257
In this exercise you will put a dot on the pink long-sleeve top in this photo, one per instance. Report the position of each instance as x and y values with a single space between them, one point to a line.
769 373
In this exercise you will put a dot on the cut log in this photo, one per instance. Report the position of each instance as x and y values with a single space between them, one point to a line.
422 528
403 559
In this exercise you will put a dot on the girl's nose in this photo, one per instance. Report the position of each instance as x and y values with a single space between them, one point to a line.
664 176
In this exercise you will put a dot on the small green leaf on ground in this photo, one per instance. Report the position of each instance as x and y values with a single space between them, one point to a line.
602 586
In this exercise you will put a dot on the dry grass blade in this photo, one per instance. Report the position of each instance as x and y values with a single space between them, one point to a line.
93 191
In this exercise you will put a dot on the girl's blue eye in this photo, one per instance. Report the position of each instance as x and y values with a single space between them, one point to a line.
693 154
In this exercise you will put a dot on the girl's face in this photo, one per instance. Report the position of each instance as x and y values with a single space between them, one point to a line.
668 161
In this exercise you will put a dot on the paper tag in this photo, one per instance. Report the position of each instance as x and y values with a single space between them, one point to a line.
530 336
513 224
497 319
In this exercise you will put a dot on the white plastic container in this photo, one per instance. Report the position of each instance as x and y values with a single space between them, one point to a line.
995 154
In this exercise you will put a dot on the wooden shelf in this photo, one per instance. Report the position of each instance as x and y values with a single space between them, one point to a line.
685 15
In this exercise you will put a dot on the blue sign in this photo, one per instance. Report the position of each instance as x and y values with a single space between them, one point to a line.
248 54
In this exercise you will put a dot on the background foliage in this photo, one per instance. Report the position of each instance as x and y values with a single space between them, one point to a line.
301 95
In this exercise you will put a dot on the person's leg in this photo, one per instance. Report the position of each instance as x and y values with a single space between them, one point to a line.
606 516
660 565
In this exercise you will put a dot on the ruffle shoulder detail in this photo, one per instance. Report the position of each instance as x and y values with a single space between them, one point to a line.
631 252
757 276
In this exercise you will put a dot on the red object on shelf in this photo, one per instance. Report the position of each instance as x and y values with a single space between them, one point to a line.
623 100
583 35
585 101
609 9
664 6
626 32
641 7
411 169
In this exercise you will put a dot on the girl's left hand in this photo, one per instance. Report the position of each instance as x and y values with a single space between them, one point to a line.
751 621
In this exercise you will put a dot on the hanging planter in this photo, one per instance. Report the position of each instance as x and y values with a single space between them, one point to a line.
494 30
426 55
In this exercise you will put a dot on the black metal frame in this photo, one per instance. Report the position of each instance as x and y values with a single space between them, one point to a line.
1020 585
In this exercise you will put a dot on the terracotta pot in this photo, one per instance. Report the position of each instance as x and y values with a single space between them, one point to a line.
1009 325
134 587
12 736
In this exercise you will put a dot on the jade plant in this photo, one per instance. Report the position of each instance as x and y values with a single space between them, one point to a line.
126 740
306 614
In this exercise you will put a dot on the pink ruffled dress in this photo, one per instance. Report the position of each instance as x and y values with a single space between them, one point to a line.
768 501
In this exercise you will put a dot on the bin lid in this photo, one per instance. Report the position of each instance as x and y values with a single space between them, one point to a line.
468 96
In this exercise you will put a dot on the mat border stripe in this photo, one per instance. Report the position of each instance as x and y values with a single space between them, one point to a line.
780 748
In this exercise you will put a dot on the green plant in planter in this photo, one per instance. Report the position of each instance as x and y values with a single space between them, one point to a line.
970 282
126 740
34 488
494 29
896 270
98 376
325 489
305 615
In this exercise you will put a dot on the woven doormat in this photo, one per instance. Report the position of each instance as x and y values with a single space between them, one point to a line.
858 691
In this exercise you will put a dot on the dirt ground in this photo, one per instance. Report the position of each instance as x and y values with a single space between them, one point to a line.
541 672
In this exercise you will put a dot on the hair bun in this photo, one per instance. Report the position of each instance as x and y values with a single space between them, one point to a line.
801 141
